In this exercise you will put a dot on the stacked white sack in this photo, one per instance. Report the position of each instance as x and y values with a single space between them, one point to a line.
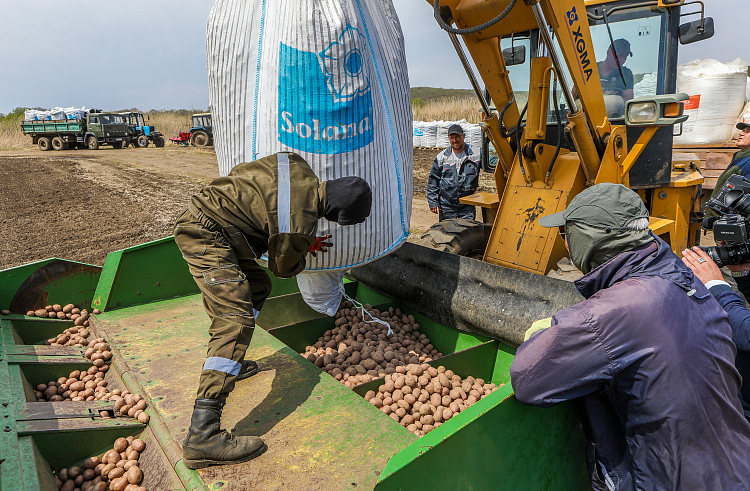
717 95
326 79
418 134
441 141
647 86
474 136
430 131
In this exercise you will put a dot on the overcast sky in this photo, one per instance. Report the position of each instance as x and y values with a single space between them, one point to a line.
151 54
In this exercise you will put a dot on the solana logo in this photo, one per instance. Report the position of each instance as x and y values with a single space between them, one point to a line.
325 104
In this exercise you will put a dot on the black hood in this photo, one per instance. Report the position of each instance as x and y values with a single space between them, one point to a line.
348 200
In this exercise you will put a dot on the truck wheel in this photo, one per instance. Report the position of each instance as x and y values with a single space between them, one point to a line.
199 139
58 143
143 141
458 236
92 143
45 144
159 142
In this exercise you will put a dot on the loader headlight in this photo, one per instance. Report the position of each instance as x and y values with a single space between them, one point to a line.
642 113
655 110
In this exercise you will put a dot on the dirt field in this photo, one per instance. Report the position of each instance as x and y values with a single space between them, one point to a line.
81 204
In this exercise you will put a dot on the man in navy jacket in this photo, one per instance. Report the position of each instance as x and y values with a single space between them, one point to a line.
648 357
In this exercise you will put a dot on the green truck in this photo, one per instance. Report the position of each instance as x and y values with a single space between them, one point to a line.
96 129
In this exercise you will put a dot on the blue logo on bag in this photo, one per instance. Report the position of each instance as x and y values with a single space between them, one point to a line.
325 104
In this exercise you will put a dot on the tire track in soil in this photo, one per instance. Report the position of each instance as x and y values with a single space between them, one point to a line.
82 209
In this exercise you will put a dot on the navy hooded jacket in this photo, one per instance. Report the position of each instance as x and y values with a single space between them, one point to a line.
649 359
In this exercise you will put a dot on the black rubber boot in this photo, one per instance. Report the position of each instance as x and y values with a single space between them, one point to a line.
249 368
207 444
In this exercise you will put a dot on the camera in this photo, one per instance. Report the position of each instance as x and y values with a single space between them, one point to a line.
733 223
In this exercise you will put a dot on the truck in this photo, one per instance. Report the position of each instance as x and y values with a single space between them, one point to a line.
96 129
141 133
321 434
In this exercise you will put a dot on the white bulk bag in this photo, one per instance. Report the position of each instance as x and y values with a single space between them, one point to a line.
647 86
429 134
442 134
474 137
326 79
31 115
418 134
717 94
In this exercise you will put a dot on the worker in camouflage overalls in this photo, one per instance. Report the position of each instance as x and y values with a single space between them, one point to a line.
270 205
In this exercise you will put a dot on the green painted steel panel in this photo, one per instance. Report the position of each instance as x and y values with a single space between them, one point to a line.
47 282
142 274
501 371
497 444
32 330
306 417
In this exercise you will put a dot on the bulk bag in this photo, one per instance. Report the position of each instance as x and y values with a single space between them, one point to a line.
326 79
717 95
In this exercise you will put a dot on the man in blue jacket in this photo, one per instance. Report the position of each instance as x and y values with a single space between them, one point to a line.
648 357
454 174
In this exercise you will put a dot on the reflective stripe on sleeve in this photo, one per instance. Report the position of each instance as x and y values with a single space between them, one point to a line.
222 365
284 194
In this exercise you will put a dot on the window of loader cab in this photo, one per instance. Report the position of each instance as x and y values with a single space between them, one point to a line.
639 36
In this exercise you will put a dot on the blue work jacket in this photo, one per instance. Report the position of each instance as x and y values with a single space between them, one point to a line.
649 359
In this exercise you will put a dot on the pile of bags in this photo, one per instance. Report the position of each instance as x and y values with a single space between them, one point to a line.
718 92
434 134
55 114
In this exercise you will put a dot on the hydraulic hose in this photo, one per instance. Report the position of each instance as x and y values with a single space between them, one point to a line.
502 115
470 30
559 128
518 138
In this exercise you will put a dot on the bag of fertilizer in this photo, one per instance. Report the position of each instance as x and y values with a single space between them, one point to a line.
326 79
717 95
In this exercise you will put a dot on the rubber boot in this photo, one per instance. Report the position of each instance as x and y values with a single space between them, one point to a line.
249 368
207 444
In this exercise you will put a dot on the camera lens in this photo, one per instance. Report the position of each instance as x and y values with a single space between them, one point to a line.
742 205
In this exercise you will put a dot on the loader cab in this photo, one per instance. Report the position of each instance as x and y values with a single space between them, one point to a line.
647 37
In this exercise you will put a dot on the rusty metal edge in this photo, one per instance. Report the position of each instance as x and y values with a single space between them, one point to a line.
170 446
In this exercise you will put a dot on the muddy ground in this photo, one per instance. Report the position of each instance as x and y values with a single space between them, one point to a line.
80 204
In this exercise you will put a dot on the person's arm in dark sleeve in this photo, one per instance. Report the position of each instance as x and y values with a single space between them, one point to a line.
743 285
562 362
286 253
433 185
739 316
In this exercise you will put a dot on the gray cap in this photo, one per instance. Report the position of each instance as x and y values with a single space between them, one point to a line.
604 205
455 129
743 125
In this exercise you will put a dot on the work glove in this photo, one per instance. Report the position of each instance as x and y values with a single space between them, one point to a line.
320 245
539 325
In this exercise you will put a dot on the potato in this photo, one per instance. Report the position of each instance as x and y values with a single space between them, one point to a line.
129 464
116 472
113 457
91 462
143 418
120 444
135 476
63 475
68 485
119 483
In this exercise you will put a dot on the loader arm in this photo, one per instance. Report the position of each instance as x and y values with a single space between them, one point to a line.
535 178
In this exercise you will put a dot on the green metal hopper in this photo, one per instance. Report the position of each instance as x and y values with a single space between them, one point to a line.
320 434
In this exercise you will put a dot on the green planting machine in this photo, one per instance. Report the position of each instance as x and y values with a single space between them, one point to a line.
320 434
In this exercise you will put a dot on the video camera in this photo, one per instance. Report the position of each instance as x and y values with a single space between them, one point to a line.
733 223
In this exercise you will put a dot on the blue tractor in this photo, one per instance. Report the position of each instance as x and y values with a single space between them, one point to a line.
202 132
142 134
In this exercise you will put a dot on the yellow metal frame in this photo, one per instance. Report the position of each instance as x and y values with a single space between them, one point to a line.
524 190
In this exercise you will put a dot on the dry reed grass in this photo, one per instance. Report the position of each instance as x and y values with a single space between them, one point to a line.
448 109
